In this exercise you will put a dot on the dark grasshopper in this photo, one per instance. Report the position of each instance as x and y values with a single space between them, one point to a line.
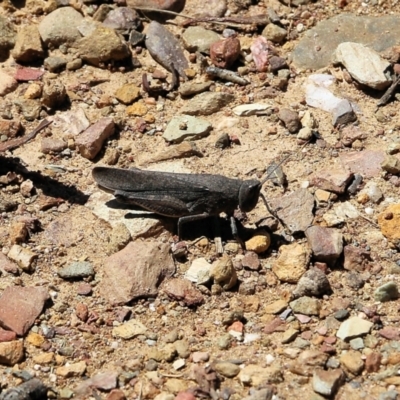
188 197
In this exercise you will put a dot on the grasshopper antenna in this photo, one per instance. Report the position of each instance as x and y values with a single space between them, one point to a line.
264 199
280 163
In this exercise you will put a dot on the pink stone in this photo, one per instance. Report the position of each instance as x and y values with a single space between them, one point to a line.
260 50
367 162
185 396
199 356
28 74
137 270
7 336
303 319
237 326
7 265
91 140
390 333
20 306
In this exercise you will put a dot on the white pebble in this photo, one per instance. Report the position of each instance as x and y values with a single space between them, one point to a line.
305 184
269 359
369 210
300 28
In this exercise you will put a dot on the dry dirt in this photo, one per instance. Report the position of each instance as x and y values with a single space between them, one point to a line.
85 237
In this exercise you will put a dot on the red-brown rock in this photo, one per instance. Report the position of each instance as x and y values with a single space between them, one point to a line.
116 394
136 271
91 140
20 306
7 336
373 362
183 290
225 52
28 74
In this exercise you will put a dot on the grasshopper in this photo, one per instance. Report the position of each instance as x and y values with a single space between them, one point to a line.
188 197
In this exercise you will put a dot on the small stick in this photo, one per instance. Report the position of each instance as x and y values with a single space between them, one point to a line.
14 143
389 93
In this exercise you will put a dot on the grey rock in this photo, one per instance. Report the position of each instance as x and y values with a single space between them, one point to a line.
357 344
354 327
388 291
207 103
341 314
318 44
305 305
295 209
7 37
290 119
274 33
326 243
122 19
327 382
186 127
343 113
278 64
55 64
165 48
136 38
355 280
76 270
60 26
363 64
313 283
197 38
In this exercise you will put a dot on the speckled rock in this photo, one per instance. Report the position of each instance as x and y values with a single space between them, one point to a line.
76 270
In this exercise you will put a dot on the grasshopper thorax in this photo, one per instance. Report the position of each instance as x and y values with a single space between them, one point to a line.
249 193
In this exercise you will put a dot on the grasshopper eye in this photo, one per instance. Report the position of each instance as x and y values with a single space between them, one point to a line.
248 195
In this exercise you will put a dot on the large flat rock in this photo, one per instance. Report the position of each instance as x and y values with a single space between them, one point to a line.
315 50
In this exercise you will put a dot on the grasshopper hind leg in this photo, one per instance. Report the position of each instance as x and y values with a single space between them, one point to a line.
190 218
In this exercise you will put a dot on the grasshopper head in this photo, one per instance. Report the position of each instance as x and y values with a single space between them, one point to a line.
248 194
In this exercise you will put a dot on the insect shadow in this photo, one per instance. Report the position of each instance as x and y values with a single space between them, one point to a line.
207 227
